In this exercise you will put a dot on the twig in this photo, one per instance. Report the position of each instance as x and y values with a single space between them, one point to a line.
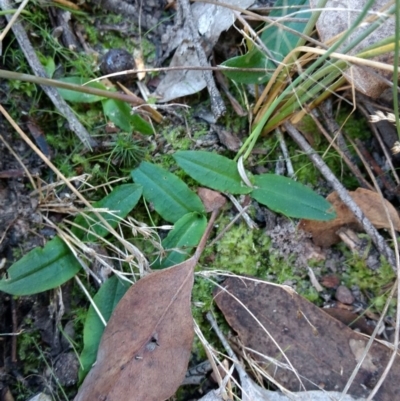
380 174
284 149
231 223
336 131
217 104
251 224
10 24
52 93
377 239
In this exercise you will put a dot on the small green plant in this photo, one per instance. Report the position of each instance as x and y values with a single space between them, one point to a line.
46 268
126 151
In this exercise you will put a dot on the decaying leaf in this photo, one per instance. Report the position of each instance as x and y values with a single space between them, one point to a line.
322 351
145 349
338 17
212 200
324 232
211 20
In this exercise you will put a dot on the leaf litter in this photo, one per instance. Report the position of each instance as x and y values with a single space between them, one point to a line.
325 233
290 338
145 349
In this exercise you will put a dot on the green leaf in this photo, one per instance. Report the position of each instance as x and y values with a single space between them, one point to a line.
185 235
41 269
141 125
49 66
119 113
120 201
80 97
253 59
279 41
292 199
212 170
106 300
170 196
46 268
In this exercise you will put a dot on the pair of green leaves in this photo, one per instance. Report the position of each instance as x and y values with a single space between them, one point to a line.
115 110
176 203
280 194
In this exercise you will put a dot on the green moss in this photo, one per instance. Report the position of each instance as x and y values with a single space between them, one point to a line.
375 284
354 124
26 345
240 250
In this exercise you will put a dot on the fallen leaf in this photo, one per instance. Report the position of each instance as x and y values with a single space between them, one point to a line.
324 233
211 21
229 140
145 349
323 351
351 319
212 200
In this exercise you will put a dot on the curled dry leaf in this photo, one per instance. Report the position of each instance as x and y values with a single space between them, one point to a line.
324 233
211 21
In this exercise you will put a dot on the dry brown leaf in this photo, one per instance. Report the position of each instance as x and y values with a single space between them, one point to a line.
145 348
324 232
212 200
321 349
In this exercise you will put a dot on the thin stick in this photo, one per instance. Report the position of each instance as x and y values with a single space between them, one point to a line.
377 239
285 153
10 24
354 169
59 103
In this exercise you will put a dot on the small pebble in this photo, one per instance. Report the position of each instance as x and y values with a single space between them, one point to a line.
330 281
344 295
117 60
